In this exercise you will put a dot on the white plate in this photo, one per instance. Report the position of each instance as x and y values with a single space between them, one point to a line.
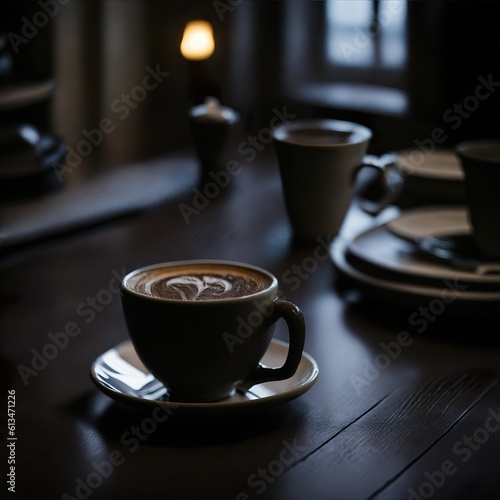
431 176
120 374
390 291
387 251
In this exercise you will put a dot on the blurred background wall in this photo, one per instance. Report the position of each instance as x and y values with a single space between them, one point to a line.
402 68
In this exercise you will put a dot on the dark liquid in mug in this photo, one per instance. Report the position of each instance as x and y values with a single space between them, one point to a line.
197 283
318 137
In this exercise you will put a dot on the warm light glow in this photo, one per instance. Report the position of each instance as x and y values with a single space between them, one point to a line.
197 41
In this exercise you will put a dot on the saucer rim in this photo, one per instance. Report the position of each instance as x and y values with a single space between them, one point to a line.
455 175
215 407
406 293
397 272
427 211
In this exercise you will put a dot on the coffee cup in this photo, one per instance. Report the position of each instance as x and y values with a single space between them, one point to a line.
319 160
480 161
202 327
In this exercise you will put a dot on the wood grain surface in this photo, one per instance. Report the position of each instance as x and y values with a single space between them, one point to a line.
374 425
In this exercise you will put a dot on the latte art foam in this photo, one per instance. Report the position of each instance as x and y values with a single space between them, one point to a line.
200 287
192 286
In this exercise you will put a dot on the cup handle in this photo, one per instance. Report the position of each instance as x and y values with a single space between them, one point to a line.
392 180
296 330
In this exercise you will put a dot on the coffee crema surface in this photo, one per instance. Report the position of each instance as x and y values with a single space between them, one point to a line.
197 283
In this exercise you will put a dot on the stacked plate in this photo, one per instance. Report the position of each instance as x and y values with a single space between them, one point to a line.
436 177
426 256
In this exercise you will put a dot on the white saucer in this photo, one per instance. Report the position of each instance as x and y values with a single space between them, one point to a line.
386 264
437 175
120 374
406 293
431 221
390 251
442 164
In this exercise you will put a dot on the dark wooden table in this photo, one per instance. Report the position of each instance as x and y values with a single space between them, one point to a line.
421 423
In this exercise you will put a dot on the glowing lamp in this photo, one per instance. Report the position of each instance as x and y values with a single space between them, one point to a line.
197 41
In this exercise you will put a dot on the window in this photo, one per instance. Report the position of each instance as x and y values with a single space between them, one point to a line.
366 34
348 55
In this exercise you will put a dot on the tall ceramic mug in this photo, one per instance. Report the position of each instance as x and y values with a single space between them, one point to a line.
319 160
201 327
